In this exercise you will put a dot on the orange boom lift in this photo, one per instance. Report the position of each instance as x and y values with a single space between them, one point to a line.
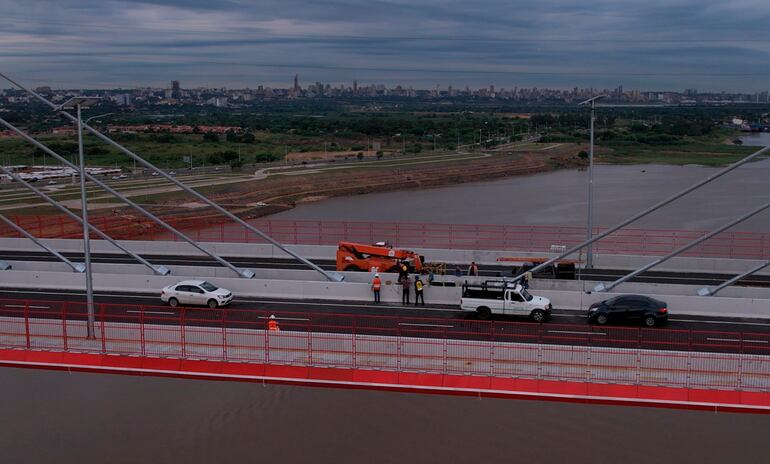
378 258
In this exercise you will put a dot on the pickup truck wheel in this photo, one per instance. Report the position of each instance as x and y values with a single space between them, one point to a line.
601 319
649 321
484 313
173 302
538 315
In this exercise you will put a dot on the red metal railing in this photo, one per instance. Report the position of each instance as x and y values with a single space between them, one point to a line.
745 245
628 355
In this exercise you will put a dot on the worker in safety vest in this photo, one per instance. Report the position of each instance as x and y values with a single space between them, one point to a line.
403 271
418 288
272 324
376 286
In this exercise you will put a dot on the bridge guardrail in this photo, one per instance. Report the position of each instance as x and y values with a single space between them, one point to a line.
624 355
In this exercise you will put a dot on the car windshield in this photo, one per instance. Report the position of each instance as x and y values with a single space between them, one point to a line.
526 295
208 287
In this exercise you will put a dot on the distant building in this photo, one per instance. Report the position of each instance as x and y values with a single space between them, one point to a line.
123 99
176 92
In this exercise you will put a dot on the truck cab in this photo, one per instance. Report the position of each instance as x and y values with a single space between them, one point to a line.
503 297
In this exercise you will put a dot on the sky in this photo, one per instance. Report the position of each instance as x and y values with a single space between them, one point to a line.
645 45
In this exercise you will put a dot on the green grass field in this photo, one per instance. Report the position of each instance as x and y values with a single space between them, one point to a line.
709 150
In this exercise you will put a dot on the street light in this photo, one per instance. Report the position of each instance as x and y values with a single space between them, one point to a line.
590 225
97 116
78 103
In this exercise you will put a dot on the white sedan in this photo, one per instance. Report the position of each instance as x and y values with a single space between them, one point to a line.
196 292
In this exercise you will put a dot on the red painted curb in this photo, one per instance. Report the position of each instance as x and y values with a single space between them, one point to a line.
467 385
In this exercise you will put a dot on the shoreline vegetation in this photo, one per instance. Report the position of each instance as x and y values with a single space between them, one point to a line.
353 153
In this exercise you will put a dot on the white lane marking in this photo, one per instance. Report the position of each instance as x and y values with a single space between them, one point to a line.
345 305
149 312
31 306
735 340
256 300
576 332
704 321
286 318
303 303
426 325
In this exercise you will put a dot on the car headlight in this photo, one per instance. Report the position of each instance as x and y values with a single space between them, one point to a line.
592 309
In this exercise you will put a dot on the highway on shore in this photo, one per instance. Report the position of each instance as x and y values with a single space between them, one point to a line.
713 334
663 277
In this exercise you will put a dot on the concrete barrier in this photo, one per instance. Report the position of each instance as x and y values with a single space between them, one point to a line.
350 291
200 272
266 288
538 285
464 257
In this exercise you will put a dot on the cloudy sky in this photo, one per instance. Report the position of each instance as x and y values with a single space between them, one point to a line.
648 45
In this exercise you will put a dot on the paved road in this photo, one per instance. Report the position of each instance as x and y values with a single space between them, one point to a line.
687 278
565 327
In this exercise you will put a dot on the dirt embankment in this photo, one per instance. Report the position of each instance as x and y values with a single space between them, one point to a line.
281 192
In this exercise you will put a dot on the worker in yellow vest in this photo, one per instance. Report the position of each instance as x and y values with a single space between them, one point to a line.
418 289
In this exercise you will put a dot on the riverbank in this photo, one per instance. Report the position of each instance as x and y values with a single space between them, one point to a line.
280 189
559 198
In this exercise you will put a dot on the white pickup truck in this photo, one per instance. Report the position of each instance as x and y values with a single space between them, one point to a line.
501 297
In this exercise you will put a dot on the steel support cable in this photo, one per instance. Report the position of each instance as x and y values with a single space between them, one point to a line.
644 213
126 200
602 288
156 269
334 277
77 267
706 291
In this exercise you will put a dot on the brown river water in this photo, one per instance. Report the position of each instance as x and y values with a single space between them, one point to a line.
60 417
560 198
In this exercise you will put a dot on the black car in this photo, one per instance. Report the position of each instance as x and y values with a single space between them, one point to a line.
631 308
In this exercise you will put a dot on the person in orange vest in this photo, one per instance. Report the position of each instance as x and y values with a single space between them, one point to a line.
272 324
376 286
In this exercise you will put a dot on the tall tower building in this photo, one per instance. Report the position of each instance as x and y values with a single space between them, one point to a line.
176 93
296 83
355 86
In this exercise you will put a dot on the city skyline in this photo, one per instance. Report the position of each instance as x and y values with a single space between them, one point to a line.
710 45
221 96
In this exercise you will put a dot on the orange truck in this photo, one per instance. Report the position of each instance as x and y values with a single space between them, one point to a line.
375 258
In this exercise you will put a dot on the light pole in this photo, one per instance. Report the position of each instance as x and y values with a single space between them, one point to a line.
590 225
97 116
78 103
